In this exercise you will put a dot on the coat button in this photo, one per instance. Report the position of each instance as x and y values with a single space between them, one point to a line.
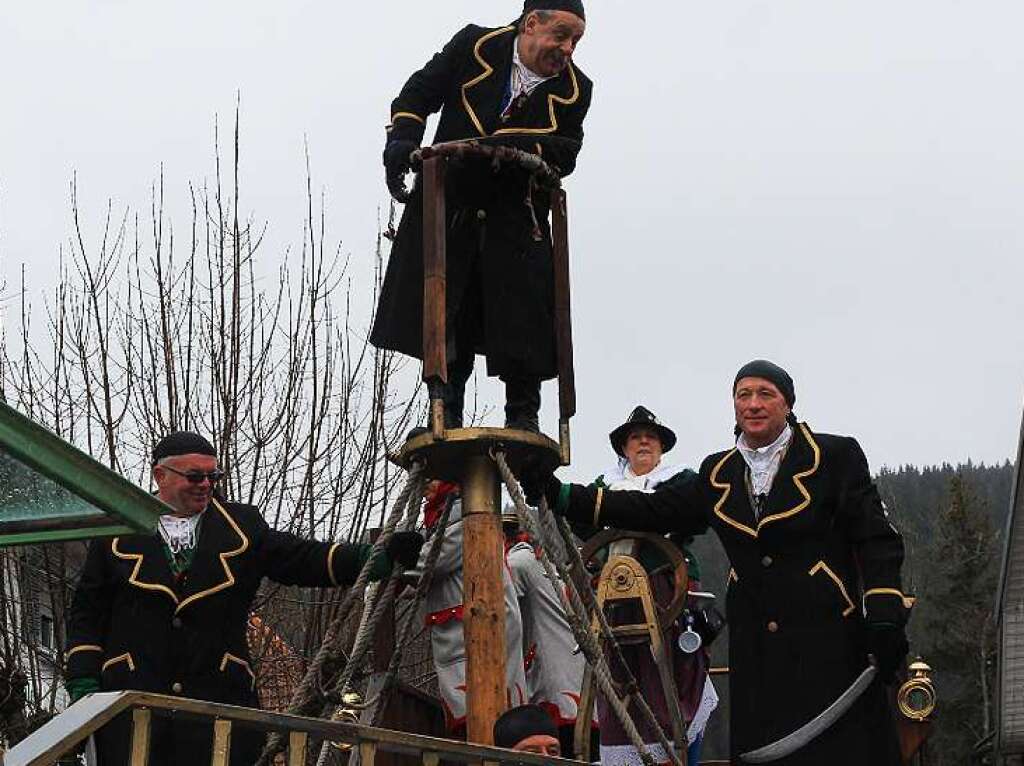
481 215
773 627
176 687
176 622
766 561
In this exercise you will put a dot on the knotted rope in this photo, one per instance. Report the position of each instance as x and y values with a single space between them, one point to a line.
309 696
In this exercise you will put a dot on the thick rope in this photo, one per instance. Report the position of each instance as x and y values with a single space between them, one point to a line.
308 698
576 617
406 634
560 538
577 565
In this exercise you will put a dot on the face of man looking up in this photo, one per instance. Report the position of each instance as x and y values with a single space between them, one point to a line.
186 482
761 410
642 450
547 40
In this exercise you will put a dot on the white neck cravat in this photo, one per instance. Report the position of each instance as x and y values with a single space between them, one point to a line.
179 532
764 462
523 80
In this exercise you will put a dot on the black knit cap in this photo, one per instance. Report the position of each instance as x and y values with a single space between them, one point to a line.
641 417
515 725
762 368
182 443
572 6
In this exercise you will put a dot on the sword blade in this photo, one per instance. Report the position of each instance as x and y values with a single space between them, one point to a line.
792 742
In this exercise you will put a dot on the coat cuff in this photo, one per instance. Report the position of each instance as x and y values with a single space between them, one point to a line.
406 126
345 561
887 605
84 660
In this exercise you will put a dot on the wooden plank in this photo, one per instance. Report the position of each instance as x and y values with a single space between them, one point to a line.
434 270
221 743
141 719
57 736
367 753
484 598
297 748
563 309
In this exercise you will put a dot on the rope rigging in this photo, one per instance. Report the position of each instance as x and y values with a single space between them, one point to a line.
324 685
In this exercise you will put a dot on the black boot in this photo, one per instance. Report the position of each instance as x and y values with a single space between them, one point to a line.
453 393
522 403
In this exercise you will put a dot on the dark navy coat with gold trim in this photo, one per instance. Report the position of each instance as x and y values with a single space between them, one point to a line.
492 255
134 627
822 560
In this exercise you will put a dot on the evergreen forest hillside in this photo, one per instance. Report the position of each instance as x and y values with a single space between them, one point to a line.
952 519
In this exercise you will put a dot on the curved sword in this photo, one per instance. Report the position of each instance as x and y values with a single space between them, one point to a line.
780 748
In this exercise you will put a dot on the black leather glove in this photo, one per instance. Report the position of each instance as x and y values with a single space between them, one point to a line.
397 163
404 548
888 645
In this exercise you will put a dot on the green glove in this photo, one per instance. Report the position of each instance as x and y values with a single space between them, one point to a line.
79 687
380 569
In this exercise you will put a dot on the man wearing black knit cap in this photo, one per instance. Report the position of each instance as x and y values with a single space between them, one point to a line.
168 612
518 85
528 729
814 590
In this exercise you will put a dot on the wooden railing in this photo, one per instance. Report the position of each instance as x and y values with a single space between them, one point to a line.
75 725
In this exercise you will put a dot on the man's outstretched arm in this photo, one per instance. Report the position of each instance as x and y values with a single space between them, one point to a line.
678 505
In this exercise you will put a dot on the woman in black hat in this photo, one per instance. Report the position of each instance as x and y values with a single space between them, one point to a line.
640 444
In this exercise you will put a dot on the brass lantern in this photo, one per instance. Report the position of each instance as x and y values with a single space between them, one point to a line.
916 698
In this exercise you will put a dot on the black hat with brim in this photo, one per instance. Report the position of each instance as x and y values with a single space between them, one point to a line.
574 7
515 725
641 417
182 443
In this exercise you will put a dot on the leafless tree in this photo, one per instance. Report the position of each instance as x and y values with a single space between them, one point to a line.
147 332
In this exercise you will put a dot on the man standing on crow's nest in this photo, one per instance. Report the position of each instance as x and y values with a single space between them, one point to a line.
513 85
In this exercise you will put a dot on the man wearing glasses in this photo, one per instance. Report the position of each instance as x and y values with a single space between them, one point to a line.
168 612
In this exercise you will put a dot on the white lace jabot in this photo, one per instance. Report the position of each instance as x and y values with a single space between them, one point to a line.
179 532
764 462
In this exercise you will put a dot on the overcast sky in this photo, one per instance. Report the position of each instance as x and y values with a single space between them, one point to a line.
834 185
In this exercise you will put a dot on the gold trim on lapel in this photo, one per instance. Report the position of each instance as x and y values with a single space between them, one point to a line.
126 657
223 560
726 489
133 577
229 657
821 566
797 480
488 71
552 99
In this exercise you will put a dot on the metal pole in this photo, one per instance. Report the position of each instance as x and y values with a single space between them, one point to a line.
483 598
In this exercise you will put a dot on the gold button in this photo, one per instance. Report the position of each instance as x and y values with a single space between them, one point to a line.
766 561
773 626
176 687
176 622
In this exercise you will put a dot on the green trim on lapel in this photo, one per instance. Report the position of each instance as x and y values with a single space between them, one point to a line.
229 576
